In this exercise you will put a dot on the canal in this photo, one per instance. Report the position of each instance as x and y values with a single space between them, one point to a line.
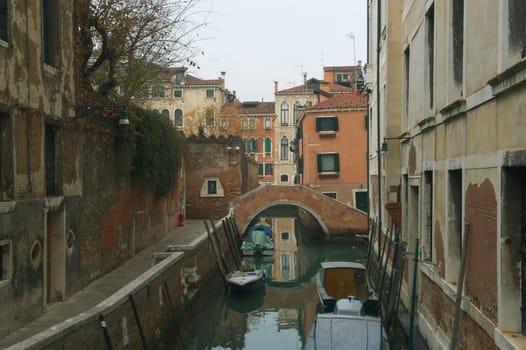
280 316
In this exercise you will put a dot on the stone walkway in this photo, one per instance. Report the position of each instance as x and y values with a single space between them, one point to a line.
183 238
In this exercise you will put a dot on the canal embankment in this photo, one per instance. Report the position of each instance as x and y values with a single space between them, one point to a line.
141 304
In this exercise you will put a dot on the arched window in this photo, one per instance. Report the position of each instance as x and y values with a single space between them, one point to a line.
178 116
254 145
165 113
296 111
284 148
284 113
268 145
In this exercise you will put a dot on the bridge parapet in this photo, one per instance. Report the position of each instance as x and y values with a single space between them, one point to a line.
334 217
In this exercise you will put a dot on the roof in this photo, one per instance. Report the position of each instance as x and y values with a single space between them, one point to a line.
324 87
342 101
190 80
251 108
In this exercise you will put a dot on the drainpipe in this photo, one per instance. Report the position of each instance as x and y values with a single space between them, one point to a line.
378 133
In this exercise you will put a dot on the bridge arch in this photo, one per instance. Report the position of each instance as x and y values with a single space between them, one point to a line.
333 216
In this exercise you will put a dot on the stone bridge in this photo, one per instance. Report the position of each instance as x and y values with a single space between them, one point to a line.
333 216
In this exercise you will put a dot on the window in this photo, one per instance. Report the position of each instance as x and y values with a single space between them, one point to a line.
5 260
330 194
454 227
285 236
406 83
210 120
254 145
50 25
268 123
178 116
244 124
328 163
165 113
284 178
178 93
341 77
517 25
284 114
296 111
51 160
4 21
427 241
157 91
252 123
265 169
284 154
268 145
326 124
212 186
458 39
209 93
224 123
430 47
6 157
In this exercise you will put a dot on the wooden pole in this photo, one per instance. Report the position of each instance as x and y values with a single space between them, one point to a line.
216 253
413 298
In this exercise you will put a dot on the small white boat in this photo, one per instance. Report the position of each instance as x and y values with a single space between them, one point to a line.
243 281
348 327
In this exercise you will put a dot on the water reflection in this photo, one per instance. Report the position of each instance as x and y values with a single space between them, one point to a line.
280 315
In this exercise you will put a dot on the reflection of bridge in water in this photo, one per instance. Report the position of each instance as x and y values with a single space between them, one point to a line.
333 216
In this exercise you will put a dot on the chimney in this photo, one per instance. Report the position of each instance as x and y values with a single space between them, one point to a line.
275 86
359 63
222 77
304 78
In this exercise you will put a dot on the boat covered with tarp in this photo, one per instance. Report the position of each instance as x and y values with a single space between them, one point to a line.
257 243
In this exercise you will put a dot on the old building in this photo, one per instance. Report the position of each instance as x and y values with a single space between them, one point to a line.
332 148
36 95
254 122
288 103
220 172
447 102
190 102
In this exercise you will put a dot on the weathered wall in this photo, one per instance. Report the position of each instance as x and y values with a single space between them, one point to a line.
211 158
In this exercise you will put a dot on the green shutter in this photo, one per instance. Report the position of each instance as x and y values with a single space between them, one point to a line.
335 123
319 163
300 165
318 124
366 122
337 162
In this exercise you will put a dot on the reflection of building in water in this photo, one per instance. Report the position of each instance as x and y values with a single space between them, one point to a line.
285 250
288 319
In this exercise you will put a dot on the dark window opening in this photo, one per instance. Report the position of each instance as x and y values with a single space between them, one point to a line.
517 25
327 124
458 40
330 194
52 185
6 157
284 178
178 116
212 186
4 21
50 31
430 19
328 163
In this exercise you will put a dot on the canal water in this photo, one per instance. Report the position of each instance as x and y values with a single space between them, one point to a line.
281 315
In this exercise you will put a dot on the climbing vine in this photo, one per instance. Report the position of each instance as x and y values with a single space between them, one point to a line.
151 150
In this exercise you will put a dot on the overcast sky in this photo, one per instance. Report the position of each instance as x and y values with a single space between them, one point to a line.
259 42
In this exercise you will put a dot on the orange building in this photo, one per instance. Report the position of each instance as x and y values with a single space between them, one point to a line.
332 147
254 122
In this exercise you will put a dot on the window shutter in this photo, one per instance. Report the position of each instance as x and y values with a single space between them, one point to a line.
335 123
320 168
337 162
318 124
300 165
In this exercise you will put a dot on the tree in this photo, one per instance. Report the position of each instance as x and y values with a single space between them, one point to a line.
124 42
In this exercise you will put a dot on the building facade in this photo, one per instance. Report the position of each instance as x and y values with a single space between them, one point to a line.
455 165
332 148
254 122
36 96
191 103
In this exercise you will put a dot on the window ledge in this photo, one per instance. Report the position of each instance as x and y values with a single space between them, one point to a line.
509 340
327 133
510 78
329 173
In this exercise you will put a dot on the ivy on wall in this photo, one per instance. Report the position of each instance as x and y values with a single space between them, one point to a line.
151 150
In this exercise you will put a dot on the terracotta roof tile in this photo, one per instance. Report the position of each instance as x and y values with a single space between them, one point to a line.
250 108
352 100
